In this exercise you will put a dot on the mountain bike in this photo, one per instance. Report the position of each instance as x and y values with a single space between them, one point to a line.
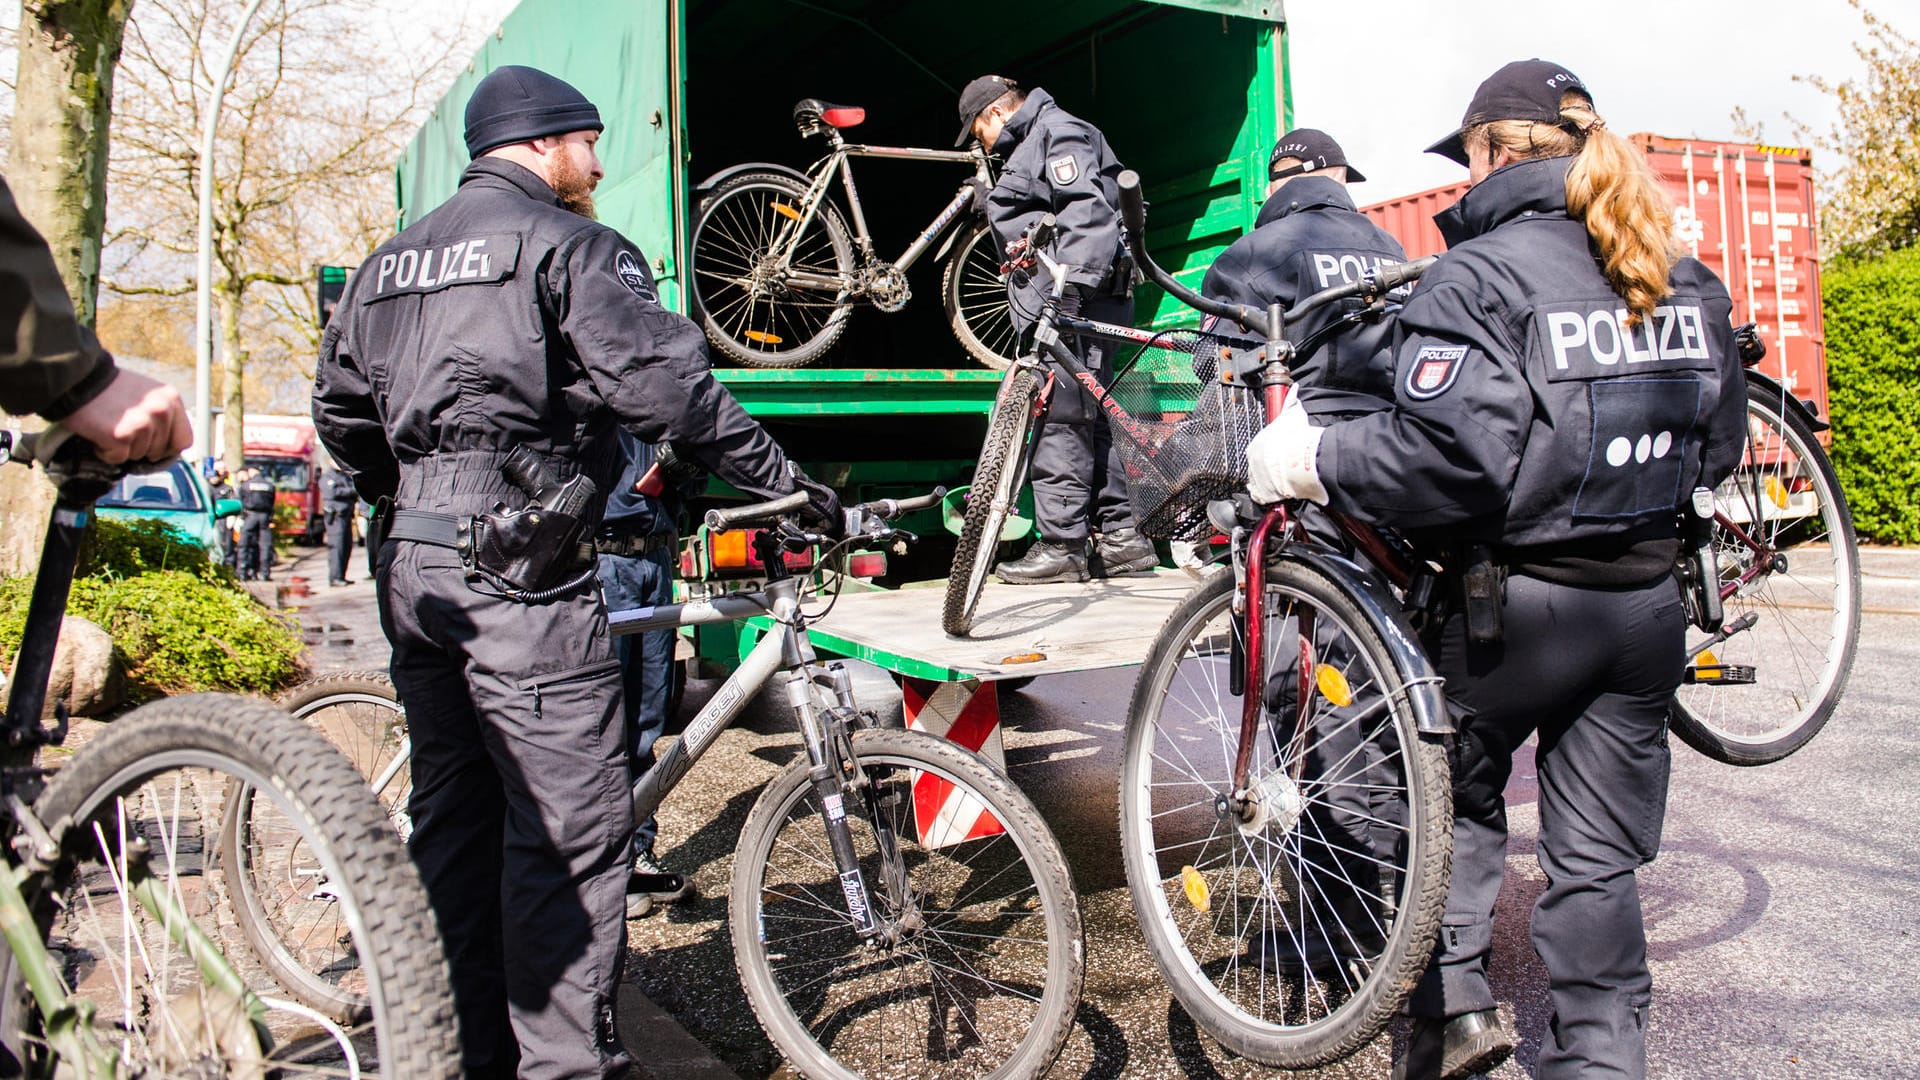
776 274
121 956
1285 804
1766 681
898 907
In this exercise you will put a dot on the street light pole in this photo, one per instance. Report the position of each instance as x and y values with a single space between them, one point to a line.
203 290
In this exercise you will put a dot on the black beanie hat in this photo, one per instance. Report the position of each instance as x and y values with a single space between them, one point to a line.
516 104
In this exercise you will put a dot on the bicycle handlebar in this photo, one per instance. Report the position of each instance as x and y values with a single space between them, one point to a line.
1372 285
893 508
720 520
1041 232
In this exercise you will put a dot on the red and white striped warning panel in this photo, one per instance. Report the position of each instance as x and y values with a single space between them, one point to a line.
967 713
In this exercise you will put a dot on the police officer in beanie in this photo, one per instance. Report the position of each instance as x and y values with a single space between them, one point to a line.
338 499
1057 163
472 378
1563 383
257 494
1309 237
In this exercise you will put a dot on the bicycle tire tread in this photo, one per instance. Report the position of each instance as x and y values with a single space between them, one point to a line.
419 1034
1007 425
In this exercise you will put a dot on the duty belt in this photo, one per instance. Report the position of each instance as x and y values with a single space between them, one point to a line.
609 542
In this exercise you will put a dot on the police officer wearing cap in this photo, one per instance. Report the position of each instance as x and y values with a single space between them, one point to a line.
257 495
1309 237
1563 382
1057 163
473 377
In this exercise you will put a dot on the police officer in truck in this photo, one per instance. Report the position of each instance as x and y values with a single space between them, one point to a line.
1057 163
472 379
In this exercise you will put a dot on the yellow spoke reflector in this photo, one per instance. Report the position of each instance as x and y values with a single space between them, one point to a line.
1333 685
1196 889
761 338
1777 491
786 211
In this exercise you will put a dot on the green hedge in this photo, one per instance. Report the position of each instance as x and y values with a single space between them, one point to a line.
180 620
1873 376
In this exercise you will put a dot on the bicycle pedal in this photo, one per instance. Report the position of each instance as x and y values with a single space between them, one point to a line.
1721 675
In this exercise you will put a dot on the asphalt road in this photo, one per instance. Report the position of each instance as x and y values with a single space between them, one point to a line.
1782 912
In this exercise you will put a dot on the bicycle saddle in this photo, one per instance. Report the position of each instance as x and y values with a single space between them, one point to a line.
811 110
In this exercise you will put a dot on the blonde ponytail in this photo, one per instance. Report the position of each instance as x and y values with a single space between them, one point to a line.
1611 189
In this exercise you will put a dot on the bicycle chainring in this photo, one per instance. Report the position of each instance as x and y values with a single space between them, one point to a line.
887 288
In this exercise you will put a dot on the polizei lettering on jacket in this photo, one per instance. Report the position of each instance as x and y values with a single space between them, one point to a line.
1595 340
1345 268
456 262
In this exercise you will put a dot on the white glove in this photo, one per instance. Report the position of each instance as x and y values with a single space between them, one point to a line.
1282 461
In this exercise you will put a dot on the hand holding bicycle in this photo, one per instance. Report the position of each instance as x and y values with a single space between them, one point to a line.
135 418
1282 460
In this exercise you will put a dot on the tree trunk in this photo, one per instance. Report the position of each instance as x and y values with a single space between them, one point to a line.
62 103
63 97
233 367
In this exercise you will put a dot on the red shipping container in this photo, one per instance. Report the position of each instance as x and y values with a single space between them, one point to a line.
1744 210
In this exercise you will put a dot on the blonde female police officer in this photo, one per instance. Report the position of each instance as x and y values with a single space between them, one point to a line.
507 318
1562 383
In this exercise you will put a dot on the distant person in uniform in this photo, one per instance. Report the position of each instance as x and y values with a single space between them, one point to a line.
221 487
256 531
1517 430
1057 163
339 499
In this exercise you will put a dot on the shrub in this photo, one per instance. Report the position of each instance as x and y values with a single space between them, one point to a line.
180 620
1873 349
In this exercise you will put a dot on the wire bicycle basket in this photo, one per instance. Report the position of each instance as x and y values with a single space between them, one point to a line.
1183 441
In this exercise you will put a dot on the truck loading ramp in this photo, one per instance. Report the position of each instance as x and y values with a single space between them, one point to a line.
1020 631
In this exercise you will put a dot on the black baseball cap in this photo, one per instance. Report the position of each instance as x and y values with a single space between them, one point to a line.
979 94
1522 90
1315 150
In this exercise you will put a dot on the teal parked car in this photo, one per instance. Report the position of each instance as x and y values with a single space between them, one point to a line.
176 495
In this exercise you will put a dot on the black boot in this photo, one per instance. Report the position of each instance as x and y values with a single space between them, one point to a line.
1123 551
1045 563
1455 1049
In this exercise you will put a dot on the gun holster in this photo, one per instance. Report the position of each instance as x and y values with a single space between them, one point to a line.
379 520
524 551
1483 592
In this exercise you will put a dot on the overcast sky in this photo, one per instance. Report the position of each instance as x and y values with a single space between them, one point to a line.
1389 77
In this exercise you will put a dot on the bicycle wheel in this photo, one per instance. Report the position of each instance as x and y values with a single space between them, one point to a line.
975 296
142 801
745 292
1292 935
979 973
1767 689
996 484
293 923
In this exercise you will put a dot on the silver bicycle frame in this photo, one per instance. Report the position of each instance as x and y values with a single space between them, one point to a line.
837 162
783 647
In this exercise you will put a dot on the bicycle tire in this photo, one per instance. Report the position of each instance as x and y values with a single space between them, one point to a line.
975 297
1312 961
301 942
837 1008
998 473
181 756
1800 650
753 322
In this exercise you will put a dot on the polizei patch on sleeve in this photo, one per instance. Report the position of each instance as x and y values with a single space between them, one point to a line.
634 277
1064 170
1434 370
